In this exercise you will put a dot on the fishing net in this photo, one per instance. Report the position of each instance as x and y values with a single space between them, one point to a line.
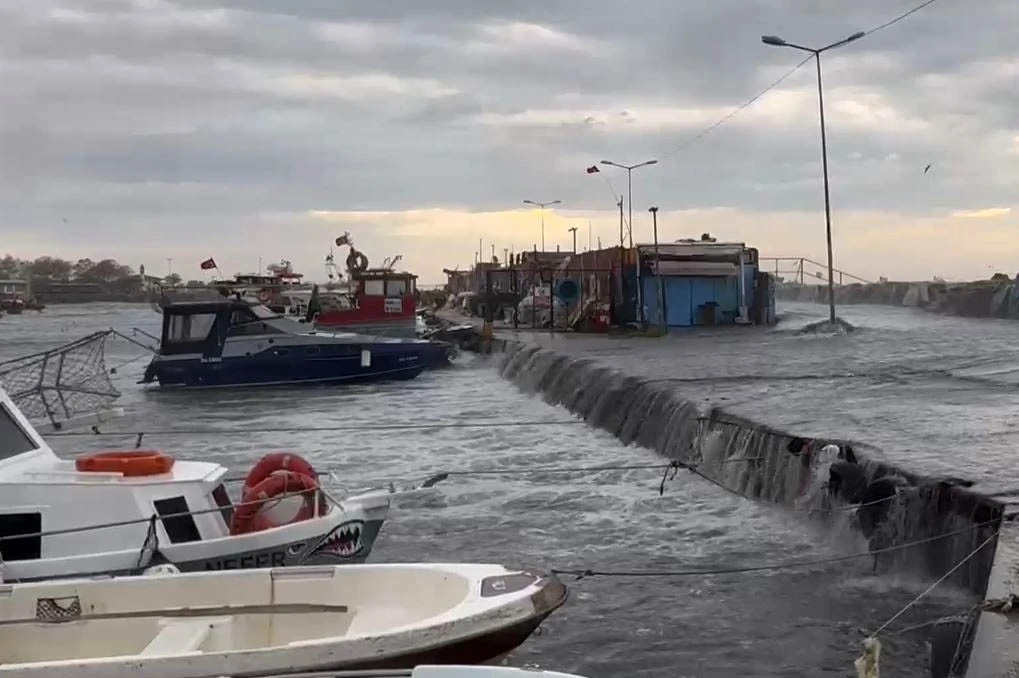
62 384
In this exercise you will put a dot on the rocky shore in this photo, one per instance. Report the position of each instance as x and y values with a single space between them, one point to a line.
980 299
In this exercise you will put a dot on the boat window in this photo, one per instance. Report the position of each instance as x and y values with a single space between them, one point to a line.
375 288
245 322
28 547
13 439
336 302
179 524
396 288
222 499
193 327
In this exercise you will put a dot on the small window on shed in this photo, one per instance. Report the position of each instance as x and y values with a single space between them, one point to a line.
28 547
177 521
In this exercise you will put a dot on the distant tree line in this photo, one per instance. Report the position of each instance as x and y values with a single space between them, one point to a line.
53 268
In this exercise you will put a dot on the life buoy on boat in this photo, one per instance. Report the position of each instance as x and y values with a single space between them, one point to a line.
265 296
131 463
356 261
273 462
248 516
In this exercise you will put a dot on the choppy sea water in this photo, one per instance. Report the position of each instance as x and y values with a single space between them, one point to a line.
801 622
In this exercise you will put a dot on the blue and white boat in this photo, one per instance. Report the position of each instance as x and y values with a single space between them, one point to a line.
228 342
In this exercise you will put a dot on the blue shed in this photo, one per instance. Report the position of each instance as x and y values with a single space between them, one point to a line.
702 283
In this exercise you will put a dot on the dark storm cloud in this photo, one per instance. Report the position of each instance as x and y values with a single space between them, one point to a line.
145 110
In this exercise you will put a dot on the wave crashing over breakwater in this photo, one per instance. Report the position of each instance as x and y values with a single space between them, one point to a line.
754 460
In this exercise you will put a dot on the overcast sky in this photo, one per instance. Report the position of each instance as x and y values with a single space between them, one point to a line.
148 129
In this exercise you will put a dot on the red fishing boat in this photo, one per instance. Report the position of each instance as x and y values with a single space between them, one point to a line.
378 300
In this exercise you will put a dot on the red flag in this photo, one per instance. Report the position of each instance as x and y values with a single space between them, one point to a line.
592 169
208 264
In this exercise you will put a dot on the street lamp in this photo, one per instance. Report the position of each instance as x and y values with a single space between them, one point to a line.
629 191
776 41
542 206
573 230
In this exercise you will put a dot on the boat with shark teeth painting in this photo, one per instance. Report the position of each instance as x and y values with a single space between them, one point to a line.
120 512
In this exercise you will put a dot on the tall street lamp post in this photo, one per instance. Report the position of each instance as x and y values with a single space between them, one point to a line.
542 206
629 192
776 41
573 230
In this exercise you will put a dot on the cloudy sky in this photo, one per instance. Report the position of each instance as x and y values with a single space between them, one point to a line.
153 129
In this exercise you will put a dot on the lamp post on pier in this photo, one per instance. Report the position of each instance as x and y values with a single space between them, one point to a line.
776 41
658 272
629 193
542 206
573 230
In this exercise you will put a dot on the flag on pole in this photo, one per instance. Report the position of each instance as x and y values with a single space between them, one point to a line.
208 264
593 169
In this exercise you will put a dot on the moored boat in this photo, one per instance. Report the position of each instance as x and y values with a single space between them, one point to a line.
120 512
264 622
234 342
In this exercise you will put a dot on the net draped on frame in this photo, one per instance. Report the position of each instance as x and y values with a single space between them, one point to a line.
62 383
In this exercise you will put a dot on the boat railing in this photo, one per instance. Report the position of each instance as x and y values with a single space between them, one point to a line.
356 673
264 503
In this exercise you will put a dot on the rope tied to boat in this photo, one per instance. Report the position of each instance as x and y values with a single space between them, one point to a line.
584 573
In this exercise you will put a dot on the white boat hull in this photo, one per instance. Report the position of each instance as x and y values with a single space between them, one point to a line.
345 535
264 622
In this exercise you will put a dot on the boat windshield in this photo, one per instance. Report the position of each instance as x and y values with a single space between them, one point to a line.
263 313
14 440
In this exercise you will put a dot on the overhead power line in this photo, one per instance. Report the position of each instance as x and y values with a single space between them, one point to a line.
749 102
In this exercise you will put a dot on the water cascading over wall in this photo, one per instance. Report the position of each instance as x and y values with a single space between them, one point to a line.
753 460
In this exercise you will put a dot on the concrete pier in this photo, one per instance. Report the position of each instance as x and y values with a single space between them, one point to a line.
978 299
720 397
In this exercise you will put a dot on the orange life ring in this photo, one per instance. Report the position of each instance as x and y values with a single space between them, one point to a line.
264 296
130 464
273 462
283 482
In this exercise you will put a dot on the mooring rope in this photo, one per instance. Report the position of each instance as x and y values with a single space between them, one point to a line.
582 573
312 429
933 586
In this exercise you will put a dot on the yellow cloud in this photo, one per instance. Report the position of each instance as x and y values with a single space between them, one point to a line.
986 213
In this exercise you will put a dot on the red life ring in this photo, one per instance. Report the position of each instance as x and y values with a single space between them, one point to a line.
273 462
265 296
247 513
130 464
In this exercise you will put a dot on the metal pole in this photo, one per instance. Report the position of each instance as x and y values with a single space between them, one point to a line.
542 228
658 273
573 230
827 201
629 191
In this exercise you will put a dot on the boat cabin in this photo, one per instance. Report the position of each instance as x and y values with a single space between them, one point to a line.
51 513
191 327
385 291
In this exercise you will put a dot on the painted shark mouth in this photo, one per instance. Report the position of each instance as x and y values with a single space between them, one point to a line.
344 541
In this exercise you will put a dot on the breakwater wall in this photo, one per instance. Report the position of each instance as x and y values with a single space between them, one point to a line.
753 459
980 299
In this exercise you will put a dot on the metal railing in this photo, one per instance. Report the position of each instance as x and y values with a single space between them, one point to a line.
799 268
